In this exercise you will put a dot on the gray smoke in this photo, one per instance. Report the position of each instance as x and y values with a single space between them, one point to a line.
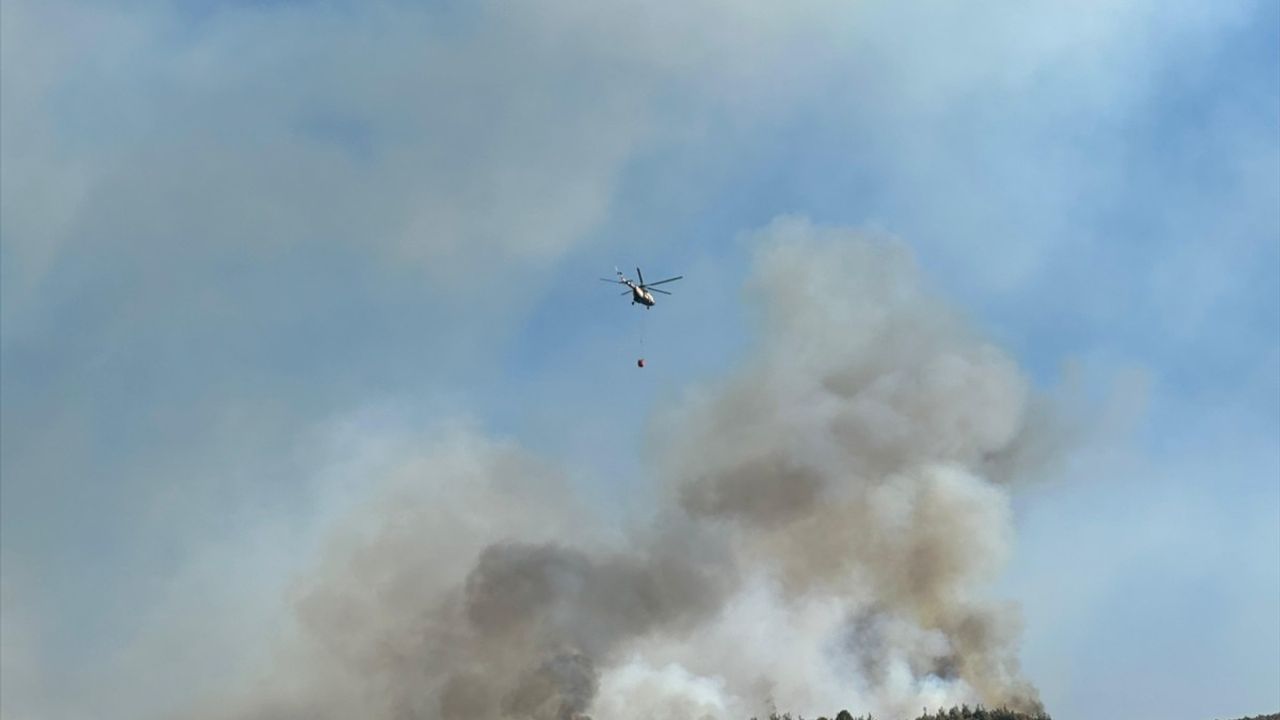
833 512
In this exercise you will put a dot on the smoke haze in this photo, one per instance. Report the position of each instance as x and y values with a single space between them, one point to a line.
311 405
830 523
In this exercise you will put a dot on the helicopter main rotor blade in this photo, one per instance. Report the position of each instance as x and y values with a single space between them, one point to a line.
640 275
664 292
678 277
625 292
610 280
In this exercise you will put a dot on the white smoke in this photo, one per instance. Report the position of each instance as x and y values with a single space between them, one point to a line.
835 510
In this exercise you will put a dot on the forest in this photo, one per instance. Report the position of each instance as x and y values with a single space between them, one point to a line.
962 712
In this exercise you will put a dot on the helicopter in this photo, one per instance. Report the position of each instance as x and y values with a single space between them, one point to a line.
641 292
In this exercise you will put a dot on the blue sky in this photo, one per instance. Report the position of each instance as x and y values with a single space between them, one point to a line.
231 232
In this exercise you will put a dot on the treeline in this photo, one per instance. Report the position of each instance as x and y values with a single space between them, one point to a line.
963 712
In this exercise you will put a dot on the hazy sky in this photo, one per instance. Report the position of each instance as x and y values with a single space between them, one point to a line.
248 248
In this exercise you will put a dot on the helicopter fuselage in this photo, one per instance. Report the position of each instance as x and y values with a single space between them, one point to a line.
640 295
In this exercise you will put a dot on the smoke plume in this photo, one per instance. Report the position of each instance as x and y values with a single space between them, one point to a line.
833 511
